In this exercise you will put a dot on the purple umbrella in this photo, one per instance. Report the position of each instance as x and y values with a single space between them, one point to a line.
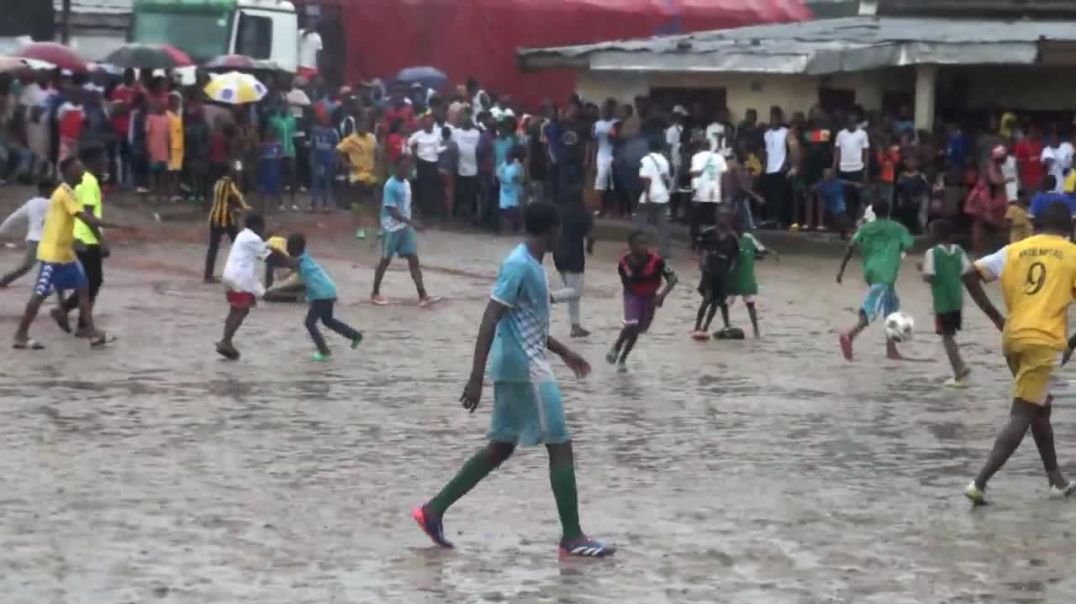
430 77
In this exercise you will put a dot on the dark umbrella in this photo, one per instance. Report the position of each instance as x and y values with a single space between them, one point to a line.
430 77
239 63
59 55
147 56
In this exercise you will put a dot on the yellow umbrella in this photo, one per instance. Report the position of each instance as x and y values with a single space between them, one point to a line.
235 88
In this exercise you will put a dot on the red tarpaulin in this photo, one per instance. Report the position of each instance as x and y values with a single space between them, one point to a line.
479 37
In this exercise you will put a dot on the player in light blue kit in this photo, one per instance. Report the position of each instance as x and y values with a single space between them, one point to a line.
527 407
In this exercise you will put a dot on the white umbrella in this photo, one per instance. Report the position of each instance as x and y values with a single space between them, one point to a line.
297 97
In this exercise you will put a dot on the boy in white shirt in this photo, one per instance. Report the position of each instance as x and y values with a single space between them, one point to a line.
241 278
33 213
655 180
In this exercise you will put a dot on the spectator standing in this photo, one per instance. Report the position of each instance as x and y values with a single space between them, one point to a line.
850 161
573 141
1028 151
284 128
323 142
424 145
175 145
774 182
448 159
603 155
1057 159
197 147
708 168
656 181
158 149
466 138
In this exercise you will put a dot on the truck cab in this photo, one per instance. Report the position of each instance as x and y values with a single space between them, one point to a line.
260 29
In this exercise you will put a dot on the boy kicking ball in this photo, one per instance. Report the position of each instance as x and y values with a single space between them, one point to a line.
527 407
882 242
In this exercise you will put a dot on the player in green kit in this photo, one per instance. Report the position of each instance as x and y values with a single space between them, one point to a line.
527 408
742 281
944 268
883 242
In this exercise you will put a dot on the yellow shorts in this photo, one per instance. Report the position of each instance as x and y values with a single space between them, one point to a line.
1032 370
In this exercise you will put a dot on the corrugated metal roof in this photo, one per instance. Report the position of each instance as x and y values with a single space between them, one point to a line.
819 47
101 7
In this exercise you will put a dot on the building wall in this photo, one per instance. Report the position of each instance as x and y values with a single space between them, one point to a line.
751 91
1024 88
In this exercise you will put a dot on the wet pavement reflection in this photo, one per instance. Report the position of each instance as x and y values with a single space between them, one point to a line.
754 471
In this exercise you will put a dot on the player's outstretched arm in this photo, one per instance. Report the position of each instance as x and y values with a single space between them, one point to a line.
973 282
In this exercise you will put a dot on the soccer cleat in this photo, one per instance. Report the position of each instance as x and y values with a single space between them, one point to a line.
611 356
434 529
621 367
355 343
700 336
1062 492
955 383
360 234
427 301
975 494
379 300
586 548
321 357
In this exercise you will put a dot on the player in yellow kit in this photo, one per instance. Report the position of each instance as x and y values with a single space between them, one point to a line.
1038 282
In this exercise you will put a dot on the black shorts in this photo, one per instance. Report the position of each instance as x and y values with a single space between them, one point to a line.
714 287
948 323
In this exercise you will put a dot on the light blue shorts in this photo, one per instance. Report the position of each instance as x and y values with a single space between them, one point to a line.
881 301
527 414
403 242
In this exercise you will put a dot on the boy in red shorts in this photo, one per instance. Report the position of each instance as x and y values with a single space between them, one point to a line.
241 278
641 272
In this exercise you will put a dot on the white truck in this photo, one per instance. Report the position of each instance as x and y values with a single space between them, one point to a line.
260 29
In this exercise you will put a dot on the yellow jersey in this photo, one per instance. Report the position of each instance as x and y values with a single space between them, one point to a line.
88 193
360 151
57 243
1038 280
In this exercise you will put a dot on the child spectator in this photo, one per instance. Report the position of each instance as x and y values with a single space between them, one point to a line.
269 168
159 149
913 196
448 158
176 145
323 142
510 175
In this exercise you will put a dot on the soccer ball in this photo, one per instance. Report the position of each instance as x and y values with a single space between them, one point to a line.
899 327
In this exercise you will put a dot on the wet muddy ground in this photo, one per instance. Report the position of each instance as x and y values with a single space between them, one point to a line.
755 471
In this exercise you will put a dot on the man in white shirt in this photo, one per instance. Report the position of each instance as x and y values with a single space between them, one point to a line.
33 214
656 180
466 138
717 132
774 181
603 156
425 146
850 161
1057 160
707 168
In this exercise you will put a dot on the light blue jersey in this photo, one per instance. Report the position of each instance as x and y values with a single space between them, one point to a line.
319 286
511 177
397 195
519 347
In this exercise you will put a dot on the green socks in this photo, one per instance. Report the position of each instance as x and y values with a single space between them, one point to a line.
562 479
476 468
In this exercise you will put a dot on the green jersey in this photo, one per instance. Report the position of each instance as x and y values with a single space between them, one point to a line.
946 265
882 242
742 281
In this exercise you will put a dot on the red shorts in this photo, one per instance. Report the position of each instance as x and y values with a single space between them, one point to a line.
241 300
